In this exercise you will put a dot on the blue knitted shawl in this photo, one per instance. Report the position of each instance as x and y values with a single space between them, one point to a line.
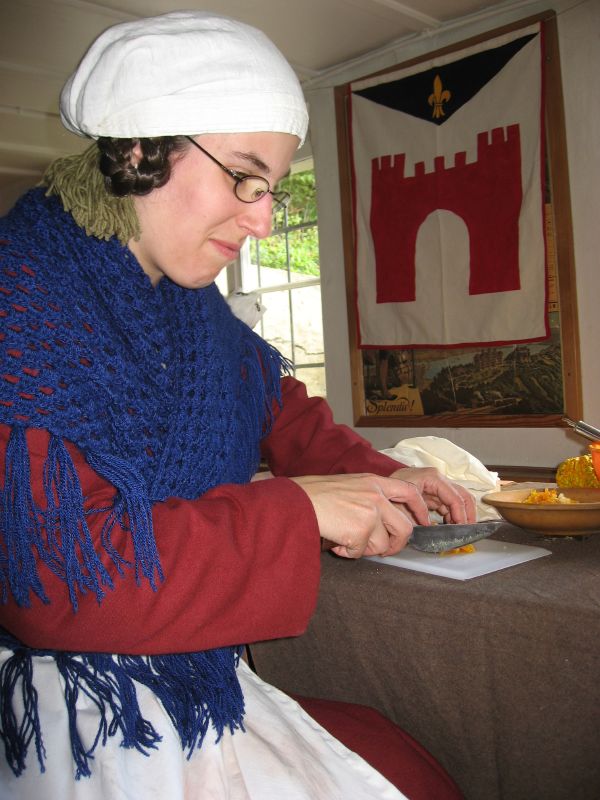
166 394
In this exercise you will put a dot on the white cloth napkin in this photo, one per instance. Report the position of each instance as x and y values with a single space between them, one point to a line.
451 461
246 306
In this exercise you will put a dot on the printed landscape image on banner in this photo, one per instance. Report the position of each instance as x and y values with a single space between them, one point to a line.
448 196
518 379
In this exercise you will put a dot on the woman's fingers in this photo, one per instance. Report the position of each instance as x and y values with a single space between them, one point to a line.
368 514
355 512
452 501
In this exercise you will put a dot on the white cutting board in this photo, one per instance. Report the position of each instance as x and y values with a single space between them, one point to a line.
489 556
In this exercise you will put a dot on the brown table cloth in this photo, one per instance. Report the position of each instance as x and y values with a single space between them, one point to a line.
497 676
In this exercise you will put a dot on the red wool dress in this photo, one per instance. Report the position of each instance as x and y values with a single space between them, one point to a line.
233 574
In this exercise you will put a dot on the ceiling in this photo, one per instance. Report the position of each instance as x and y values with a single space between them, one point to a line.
42 40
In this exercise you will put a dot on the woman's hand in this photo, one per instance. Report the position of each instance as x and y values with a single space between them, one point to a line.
450 500
359 514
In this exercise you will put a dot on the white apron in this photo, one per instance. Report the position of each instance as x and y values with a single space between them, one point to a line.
283 755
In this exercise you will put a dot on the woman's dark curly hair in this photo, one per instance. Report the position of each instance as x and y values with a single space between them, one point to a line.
122 178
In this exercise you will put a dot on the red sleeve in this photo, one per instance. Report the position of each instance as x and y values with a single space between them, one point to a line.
305 440
241 564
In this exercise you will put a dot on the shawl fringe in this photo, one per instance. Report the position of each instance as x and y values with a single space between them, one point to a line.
190 688
59 536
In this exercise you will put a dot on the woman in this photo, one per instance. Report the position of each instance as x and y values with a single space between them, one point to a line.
137 554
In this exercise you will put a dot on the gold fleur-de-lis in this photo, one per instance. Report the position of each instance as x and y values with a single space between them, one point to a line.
438 98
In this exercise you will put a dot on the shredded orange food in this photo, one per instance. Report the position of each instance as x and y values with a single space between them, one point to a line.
548 496
459 551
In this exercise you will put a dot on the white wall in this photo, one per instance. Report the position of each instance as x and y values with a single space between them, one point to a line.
12 190
579 41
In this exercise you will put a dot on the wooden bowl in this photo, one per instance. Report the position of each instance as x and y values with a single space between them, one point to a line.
550 519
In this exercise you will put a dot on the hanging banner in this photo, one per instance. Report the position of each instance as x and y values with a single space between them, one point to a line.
448 199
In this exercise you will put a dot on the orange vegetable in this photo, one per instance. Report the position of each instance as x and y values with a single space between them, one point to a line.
577 471
459 551
547 497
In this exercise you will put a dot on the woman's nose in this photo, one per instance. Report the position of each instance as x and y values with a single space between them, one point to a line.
257 218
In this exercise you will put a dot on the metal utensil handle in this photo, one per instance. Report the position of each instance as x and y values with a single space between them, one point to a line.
583 429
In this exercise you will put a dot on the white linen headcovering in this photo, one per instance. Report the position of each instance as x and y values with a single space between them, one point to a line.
187 72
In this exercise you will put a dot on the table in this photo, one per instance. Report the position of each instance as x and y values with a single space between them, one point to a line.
498 676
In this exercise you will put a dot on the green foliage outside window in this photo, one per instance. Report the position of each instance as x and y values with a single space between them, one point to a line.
304 243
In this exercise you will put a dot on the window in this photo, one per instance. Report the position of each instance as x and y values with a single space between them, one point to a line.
284 270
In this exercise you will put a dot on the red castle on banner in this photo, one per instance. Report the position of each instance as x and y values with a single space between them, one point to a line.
486 195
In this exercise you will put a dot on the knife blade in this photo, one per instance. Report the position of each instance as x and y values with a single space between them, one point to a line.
437 538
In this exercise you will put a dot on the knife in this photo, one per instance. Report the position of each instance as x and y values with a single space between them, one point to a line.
437 538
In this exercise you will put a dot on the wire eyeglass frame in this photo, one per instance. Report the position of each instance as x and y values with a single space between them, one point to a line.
248 188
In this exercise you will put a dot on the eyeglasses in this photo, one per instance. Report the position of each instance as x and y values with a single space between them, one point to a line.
249 188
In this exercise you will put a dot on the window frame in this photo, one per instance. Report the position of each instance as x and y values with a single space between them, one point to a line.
242 276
